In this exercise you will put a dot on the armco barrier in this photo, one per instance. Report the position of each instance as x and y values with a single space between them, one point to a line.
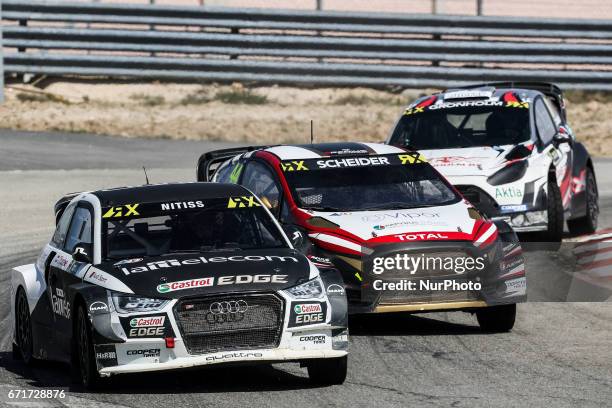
305 47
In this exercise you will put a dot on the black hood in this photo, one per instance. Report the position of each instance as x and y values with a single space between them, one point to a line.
207 273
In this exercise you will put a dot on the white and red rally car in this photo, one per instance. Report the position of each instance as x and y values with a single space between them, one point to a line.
367 206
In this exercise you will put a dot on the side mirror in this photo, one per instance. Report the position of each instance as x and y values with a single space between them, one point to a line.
295 235
83 253
562 136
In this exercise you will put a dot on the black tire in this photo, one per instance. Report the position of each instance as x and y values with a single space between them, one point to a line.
23 329
554 234
16 352
588 223
328 371
497 319
86 369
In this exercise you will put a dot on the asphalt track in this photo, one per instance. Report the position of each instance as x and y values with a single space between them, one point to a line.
558 355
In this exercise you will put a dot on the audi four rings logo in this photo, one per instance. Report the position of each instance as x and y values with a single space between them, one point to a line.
231 306
227 311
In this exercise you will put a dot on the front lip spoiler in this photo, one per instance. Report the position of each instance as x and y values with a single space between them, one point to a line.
425 307
267 356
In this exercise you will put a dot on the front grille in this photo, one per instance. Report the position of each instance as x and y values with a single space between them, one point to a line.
480 199
433 274
235 322
425 296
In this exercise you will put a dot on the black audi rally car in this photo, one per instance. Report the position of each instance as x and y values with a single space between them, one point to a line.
172 276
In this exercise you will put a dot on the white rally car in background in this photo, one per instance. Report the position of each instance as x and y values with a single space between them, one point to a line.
508 149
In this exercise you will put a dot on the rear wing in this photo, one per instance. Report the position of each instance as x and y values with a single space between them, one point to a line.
61 205
209 162
551 90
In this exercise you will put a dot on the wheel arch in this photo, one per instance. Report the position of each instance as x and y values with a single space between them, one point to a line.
31 280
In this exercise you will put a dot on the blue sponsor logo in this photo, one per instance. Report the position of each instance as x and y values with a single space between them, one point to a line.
513 208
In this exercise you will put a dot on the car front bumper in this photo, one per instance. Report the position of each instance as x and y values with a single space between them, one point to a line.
169 359
526 221
307 329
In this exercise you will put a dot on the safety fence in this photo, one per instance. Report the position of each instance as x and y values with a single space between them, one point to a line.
320 48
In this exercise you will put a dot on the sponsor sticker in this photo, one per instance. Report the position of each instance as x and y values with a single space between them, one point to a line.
242 202
175 263
513 208
98 276
515 285
314 339
456 161
517 104
508 192
307 308
463 104
335 289
128 261
61 306
353 162
303 314
149 321
507 265
319 259
294 165
467 94
246 279
421 236
395 216
121 211
235 174
147 326
234 356
98 307
152 352
412 158
185 284
182 205
106 356
340 339
147 332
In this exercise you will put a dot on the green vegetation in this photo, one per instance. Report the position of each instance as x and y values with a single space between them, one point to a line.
148 100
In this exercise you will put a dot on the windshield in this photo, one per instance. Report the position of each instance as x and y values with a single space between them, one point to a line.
212 228
462 127
392 186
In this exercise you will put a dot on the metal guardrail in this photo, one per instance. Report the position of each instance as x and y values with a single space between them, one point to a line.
305 47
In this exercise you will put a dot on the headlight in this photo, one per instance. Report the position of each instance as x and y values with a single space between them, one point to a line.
311 289
509 173
130 304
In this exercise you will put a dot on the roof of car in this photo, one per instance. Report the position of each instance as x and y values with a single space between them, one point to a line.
319 150
168 192
485 92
